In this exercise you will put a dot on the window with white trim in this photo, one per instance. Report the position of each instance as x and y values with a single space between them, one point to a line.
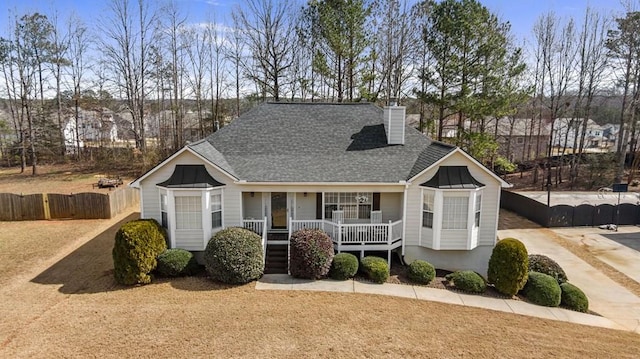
455 212
188 212
163 211
216 210
427 209
355 205
478 209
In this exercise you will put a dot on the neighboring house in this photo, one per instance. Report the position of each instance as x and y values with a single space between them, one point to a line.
92 126
354 170
565 130
610 136
520 139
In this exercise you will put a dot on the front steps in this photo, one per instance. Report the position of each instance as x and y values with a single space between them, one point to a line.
277 253
276 261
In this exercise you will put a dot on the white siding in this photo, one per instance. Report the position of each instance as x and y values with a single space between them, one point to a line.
453 239
150 196
476 260
252 206
490 203
394 124
391 206
306 206
191 240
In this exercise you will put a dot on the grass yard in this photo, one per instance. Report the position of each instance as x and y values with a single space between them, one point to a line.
62 178
71 307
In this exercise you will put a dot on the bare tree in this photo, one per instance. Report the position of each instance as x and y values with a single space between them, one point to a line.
558 51
235 55
392 49
267 28
173 30
216 71
57 61
196 39
128 35
592 63
78 48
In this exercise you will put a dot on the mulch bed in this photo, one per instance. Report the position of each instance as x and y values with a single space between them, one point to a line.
398 275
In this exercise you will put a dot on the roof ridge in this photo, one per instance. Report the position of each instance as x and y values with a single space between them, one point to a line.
320 103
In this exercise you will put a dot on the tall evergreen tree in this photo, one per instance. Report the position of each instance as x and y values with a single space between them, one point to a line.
471 54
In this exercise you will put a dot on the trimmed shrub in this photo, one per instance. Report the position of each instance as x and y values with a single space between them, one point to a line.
542 289
420 271
176 262
344 266
543 264
137 245
508 266
375 268
574 298
310 254
234 256
468 281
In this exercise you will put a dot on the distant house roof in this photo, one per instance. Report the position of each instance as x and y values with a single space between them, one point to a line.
317 142
453 177
190 176
517 127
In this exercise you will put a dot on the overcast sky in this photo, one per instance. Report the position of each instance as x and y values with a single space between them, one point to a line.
520 13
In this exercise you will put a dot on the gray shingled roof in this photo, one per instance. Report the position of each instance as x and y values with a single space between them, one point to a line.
313 142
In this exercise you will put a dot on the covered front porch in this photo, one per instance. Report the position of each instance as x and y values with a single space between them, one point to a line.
355 221
356 237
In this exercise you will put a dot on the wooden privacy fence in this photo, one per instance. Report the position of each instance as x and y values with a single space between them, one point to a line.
15 207
570 216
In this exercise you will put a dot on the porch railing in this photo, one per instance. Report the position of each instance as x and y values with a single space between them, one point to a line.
353 234
258 226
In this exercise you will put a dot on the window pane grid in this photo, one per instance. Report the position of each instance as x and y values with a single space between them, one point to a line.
356 205
455 212
427 209
216 210
188 212
478 208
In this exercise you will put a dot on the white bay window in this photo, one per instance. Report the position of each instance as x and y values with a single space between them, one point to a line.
451 209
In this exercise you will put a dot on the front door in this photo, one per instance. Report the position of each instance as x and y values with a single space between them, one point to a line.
278 210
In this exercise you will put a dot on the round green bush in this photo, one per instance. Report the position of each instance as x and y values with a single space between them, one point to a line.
543 264
420 271
375 268
137 245
574 298
508 266
542 289
344 266
310 254
468 281
234 256
176 262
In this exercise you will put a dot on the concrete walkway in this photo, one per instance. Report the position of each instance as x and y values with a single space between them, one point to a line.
286 282
606 297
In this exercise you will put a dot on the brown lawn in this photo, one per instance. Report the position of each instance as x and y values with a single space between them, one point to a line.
65 179
69 306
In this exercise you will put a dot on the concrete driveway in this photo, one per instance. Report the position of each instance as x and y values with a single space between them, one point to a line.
606 297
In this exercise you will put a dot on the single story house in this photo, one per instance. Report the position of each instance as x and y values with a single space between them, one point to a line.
354 170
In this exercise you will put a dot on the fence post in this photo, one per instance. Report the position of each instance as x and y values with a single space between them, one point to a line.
389 233
45 206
